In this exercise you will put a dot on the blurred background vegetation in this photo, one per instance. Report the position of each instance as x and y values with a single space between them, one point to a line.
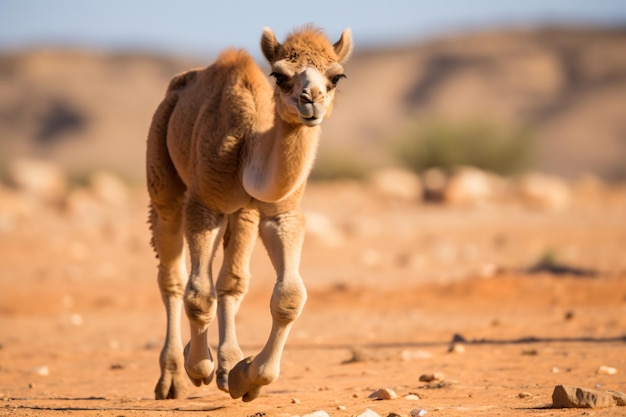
501 97
440 144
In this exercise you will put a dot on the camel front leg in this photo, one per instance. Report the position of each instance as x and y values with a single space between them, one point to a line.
204 229
282 235
232 285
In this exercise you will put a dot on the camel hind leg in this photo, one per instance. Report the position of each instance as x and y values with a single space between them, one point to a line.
171 277
167 238
167 192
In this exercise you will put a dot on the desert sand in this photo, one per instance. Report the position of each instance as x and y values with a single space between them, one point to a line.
392 283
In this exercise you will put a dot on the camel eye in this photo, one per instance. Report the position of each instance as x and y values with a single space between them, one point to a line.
334 80
281 79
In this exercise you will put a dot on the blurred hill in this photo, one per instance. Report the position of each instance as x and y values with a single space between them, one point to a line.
89 110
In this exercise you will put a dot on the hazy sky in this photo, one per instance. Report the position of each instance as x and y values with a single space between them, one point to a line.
203 27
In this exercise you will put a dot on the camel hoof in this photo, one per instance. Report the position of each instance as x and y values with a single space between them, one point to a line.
202 371
222 380
171 386
239 384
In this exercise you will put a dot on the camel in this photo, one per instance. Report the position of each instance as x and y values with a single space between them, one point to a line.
228 157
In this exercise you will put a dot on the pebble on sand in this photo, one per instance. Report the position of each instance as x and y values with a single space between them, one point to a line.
40 370
383 394
418 412
456 348
369 413
319 413
606 370
437 376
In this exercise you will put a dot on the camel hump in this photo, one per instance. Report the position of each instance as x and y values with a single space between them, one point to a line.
182 80
235 58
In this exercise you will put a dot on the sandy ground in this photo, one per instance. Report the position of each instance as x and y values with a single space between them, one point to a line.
390 284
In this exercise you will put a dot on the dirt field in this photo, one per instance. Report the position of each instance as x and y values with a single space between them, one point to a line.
391 283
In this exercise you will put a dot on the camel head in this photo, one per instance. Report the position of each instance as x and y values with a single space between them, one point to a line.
307 68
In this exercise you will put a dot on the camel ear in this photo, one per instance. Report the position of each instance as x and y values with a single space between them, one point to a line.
269 45
343 47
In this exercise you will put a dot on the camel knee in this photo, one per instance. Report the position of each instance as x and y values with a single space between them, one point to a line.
200 303
233 285
288 301
171 282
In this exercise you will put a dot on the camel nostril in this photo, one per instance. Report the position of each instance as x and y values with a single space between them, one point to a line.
305 96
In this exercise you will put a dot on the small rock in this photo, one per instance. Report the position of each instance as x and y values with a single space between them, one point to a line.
418 412
341 407
41 179
383 394
361 355
392 414
555 370
468 186
456 348
319 413
369 413
295 401
606 370
567 396
40 370
397 183
544 192
525 395
488 270
411 397
434 377
108 188
76 319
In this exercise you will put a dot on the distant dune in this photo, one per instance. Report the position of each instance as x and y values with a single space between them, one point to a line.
568 86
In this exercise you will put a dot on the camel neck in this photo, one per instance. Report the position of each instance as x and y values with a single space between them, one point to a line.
280 160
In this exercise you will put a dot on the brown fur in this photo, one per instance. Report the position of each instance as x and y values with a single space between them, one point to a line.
228 156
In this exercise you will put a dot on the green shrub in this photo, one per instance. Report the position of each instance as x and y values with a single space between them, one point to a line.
337 164
447 145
